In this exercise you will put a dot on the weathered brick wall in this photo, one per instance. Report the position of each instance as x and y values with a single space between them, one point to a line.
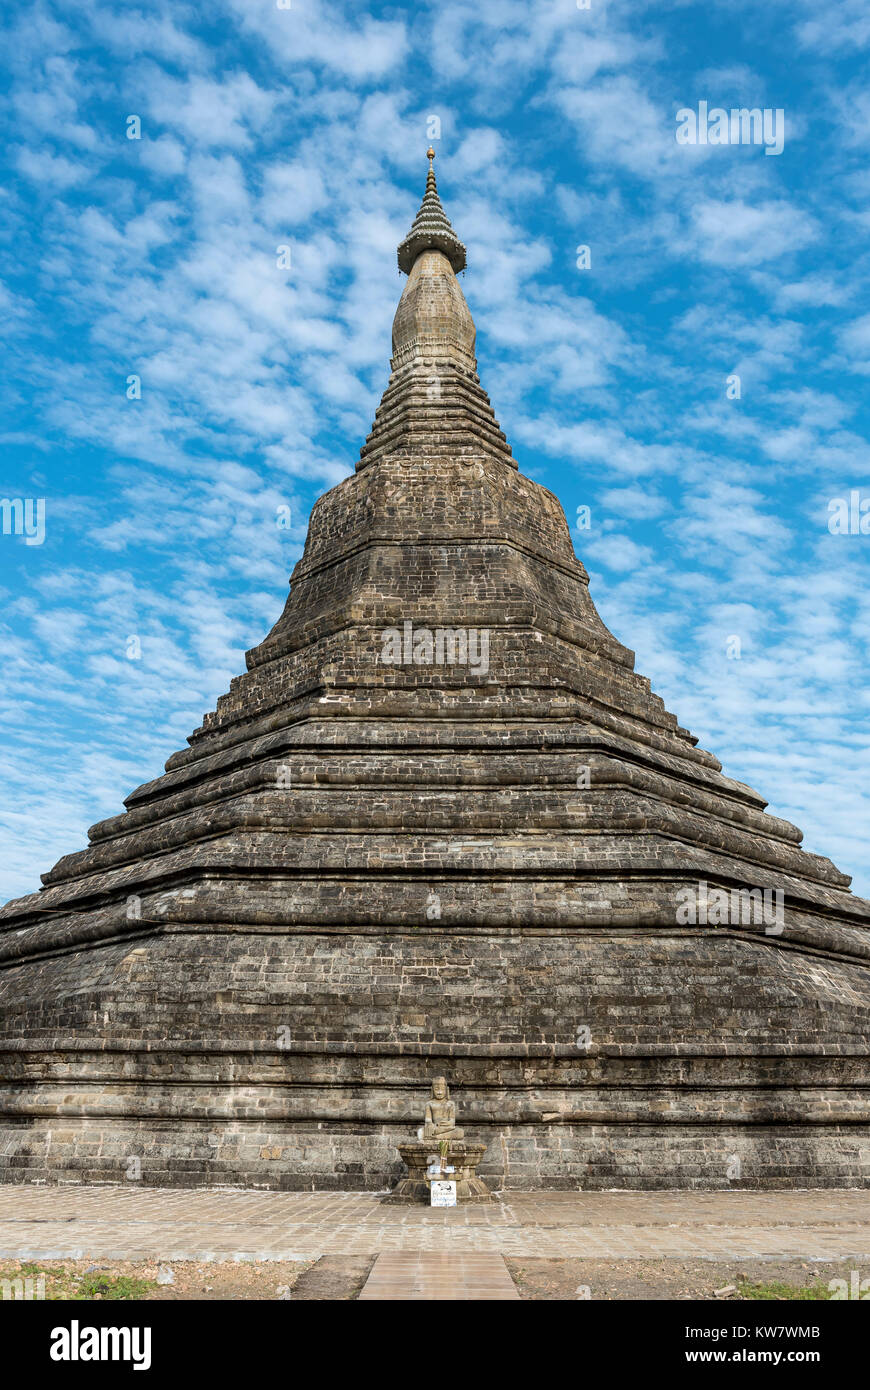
341 1158
581 1059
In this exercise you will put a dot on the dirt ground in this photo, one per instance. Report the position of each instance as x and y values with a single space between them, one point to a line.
340 1278
616 1280
101 1280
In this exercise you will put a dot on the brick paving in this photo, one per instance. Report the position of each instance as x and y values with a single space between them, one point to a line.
124 1224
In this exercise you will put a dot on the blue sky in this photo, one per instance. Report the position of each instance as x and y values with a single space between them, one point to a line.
307 127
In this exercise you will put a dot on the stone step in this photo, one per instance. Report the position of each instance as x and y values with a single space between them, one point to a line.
411 1275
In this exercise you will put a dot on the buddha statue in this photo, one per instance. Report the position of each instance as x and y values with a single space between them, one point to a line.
440 1120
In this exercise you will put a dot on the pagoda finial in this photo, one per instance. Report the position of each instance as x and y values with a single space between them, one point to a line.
431 230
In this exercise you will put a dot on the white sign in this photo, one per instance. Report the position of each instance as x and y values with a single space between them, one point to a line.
443 1193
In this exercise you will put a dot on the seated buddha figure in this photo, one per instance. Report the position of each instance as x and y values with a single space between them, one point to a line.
440 1120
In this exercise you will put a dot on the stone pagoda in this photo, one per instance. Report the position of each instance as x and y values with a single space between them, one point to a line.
440 825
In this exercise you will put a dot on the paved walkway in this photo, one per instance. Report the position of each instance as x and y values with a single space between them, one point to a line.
408 1276
126 1223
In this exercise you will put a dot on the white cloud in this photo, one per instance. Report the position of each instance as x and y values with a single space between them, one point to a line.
209 113
164 155
616 551
360 48
51 172
736 234
855 343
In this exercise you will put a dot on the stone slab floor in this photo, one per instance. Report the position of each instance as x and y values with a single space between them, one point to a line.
129 1223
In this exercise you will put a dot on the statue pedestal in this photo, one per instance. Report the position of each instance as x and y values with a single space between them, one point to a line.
462 1157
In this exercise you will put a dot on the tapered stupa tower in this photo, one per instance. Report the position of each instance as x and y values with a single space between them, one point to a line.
439 826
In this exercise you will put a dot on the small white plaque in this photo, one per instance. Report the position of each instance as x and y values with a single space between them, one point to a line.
443 1193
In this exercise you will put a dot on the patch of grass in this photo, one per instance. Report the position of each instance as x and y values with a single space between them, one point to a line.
113 1286
63 1285
779 1292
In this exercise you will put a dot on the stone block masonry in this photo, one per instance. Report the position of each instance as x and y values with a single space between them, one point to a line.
360 874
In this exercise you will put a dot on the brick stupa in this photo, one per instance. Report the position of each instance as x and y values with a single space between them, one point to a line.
440 825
